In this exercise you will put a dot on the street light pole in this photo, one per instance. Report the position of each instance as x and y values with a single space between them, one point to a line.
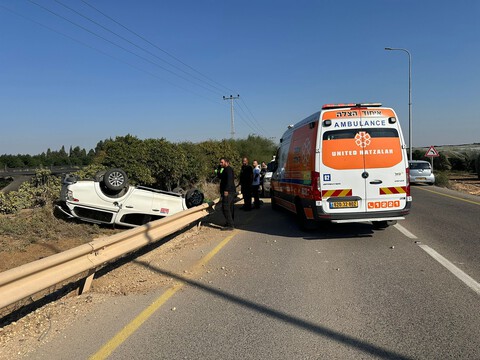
410 130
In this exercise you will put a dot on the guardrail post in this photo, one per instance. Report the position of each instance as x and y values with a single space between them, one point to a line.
86 283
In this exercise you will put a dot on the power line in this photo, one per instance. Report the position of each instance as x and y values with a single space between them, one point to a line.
106 54
117 45
256 127
256 121
247 121
137 46
155 46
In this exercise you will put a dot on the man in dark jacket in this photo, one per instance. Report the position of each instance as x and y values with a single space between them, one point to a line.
227 192
246 178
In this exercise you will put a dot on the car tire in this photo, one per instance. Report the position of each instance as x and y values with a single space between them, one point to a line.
193 197
115 179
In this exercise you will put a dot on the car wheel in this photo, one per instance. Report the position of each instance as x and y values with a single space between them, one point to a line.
115 179
194 197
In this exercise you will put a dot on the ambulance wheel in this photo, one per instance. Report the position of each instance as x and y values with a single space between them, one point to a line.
303 222
380 225
275 207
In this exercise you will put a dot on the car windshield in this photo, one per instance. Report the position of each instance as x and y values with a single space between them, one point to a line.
418 166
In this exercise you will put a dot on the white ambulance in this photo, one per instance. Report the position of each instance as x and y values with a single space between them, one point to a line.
345 163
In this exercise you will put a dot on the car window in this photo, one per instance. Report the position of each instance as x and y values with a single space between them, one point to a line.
419 166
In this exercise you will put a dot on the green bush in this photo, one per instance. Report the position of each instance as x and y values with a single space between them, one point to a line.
477 165
89 171
441 179
41 190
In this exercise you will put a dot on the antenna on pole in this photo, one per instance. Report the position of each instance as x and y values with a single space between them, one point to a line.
232 121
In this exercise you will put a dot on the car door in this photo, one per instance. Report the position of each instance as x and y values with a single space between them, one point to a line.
136 208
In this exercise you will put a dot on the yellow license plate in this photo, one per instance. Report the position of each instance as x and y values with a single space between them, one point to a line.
343 204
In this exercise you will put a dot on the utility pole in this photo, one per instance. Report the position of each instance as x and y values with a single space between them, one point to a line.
232 121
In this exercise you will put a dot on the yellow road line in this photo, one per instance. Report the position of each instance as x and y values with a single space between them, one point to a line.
450 196
133 326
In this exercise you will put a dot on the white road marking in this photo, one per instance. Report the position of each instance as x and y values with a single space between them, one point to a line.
404 231
466 279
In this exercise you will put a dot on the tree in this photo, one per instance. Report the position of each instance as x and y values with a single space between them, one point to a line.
131 154
167 162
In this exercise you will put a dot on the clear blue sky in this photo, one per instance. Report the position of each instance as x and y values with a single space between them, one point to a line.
62 85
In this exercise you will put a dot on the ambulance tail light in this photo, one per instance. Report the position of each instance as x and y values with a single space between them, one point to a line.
408 182
317 195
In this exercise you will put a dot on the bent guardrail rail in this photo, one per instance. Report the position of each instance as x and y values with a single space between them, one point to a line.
26 280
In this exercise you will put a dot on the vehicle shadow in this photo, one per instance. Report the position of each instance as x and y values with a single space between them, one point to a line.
270 312
283 223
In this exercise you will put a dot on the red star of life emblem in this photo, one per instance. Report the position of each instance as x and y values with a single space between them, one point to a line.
362 139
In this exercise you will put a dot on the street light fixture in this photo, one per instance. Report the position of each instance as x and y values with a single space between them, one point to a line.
409 97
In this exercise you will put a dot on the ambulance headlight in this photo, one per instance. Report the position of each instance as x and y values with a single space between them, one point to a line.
392 120
327 123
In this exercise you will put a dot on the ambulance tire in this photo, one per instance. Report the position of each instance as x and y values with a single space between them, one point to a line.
275 207
380 225
304 223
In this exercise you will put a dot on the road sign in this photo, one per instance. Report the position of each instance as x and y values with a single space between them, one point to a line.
432 152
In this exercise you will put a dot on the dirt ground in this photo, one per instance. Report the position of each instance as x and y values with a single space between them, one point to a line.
21 334
466 183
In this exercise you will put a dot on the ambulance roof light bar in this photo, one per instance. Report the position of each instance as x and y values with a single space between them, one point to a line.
350 105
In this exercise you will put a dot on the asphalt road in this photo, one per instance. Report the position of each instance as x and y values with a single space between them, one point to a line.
341 292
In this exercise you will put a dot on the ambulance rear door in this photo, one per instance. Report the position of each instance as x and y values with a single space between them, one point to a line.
342 182
385 160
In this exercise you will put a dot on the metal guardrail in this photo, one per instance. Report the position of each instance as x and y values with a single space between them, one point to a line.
26 280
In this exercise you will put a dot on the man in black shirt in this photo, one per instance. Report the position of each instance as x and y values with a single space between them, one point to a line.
227 192
246 178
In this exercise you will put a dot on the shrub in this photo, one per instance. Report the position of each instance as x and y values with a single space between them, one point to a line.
42 189
441 179
477 165
89 171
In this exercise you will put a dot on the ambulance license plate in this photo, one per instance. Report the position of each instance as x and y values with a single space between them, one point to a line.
343 204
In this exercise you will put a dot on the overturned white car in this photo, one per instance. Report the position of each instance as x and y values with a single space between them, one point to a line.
108 199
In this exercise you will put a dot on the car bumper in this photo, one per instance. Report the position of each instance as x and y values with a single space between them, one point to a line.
430 179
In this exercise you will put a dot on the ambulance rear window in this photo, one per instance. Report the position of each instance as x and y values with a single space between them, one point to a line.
350 133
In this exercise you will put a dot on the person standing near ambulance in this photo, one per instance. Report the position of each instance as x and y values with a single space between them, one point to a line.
256 184
227 192
246 179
